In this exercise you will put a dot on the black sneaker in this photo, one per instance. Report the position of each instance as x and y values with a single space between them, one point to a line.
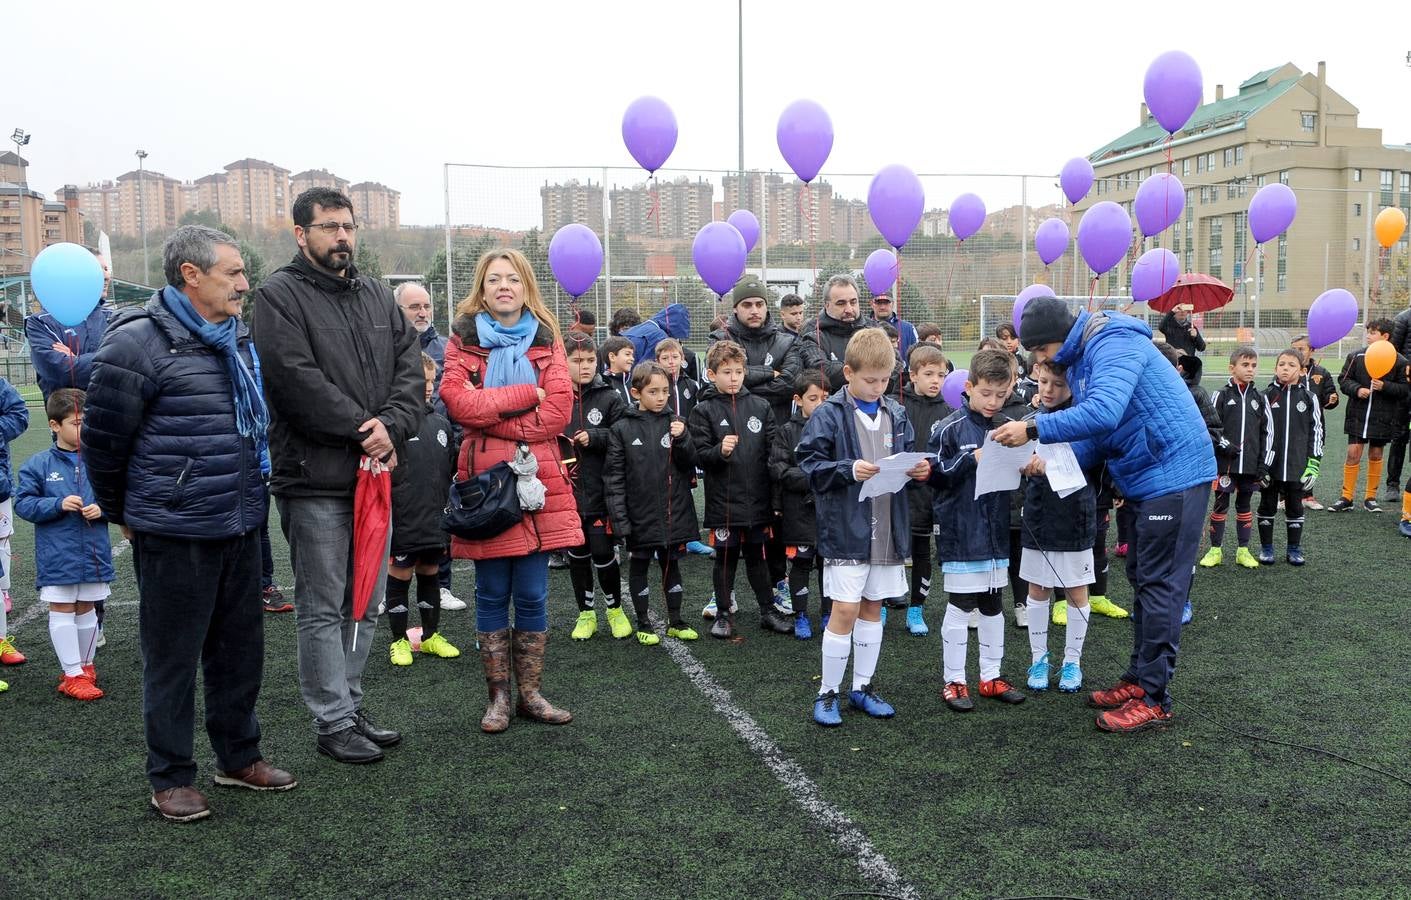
723 627
1342 505
770 619
1371 505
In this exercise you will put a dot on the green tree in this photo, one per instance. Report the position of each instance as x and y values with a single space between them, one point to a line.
538 255
368 263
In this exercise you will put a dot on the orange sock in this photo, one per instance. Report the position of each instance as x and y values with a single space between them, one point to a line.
1349 479
1406 507
1374 477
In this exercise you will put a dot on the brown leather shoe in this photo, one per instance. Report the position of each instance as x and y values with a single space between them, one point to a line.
529 673
495 657
258 776
181 804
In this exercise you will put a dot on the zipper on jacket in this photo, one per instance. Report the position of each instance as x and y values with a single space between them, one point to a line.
1288 423
1242 417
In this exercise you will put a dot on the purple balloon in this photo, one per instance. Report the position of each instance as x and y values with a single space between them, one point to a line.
649 130
1051 240
1331 317
967 214
748 226
880 270
1173 89
1029 293
719 253
1271 211
805 136
1104 235
1076 178
896 199
1159 203
576 258
1154 274
954 386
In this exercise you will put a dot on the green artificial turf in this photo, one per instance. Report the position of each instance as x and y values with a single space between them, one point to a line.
649 793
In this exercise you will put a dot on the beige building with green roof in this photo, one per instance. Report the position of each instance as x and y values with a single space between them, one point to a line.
1283 125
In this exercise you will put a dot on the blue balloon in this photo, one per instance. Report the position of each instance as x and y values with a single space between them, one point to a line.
68 280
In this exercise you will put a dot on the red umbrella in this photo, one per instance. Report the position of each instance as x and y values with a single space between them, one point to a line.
372 519
1200 291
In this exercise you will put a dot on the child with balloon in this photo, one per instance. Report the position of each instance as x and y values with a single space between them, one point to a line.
1374 381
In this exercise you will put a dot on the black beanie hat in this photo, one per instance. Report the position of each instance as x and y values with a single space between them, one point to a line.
1045 320
748 287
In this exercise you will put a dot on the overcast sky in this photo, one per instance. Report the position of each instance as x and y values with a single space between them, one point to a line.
389 92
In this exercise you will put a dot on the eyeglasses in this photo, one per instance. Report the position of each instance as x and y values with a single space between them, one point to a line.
331 228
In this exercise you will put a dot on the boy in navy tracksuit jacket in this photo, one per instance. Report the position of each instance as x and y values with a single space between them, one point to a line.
972 534
794 503
71 549
1297 445
1243 456
14 421
924 407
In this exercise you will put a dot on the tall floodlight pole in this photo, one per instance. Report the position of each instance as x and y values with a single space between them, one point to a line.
21 137
142 215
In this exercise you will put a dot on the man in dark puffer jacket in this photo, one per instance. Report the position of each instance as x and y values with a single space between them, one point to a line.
172 437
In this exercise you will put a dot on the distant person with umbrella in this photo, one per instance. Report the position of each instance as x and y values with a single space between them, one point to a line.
1180 331
342 372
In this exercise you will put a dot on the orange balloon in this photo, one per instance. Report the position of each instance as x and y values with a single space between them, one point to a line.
1389 225
1381 356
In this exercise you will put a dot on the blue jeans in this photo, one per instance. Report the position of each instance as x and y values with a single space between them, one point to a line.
526 579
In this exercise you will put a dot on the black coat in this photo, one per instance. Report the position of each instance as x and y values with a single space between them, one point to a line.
1247 447
1298 430
648 479
1190 373
823 345
925 413
967 530
737 493
1378 416
768 349
1401 333
336 352
793 497
1057 524
685 392
596 406
1321 382
1178 335
420 485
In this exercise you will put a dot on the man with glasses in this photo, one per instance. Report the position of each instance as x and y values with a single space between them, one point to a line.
342 372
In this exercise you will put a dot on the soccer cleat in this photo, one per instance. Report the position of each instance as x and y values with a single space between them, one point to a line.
1133 716
803 628
771 620
957 696
1059 613
1342 504
558 560
400 652
8 654
723 628
868 701
1370 505
451 601
4 686
1001 690
1105 607
709 611
1312 503
682 632
1038 675
79 688
1404 528
436 645
1244 558
586 626
648 638
618 622
916 620
1295 555
1120 551
973 621
90 672
1212 558
1187 613
825 710
783 601
1116 696
1021 615
699 549
1070 678
1266 555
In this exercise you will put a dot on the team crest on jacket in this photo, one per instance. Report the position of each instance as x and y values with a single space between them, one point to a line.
754 424
1317 379
722 534
595 417
1254 404
441 436
666 440
1301 407
1224 482
769 359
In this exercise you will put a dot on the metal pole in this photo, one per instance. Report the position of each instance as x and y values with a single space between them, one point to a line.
450 259
1367 262
1023 231
20 139
764 227
1258 290
142 215
740 27
607 248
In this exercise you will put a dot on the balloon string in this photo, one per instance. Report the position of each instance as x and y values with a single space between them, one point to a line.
896 307
653 212
1092 291
806 213
953 260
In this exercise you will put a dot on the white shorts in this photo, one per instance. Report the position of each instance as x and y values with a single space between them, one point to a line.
88 592
975 582
850 584
1057 568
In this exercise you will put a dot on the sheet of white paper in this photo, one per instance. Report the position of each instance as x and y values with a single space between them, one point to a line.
893 476
1061 465
999 466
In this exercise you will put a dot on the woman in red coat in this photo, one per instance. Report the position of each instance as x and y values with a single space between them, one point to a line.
506 382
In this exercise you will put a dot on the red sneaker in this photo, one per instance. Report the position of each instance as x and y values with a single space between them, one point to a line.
1134 715
8 654
957 696
1001 690
90 673
274 602
1115 697
79 688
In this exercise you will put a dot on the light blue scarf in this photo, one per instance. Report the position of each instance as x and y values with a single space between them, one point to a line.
508 345
251 415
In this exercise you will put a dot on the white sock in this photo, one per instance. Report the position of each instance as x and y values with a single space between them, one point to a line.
955 643
836 650
1038 628
1077 633
63 633
87 625
4 621
991 646
867 646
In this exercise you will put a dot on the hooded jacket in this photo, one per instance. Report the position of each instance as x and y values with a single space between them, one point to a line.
596 406
1247 448
648 477
793 495
420 485
925 413
737 493
768 349
1298 430
675 320
967 529
14 421
68 549
1377 417
1131 408
823 344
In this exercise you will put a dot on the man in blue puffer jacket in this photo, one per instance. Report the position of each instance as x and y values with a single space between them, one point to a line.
1131 409
172 437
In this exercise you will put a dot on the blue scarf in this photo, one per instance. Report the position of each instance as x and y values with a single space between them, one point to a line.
508 345
251 415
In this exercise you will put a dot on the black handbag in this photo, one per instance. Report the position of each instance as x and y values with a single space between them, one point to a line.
483 506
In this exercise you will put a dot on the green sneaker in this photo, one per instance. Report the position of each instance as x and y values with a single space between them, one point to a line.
1059 615
648 638
684 633
619 623
439 646
400 652
4 686
1213 557
1244 558
1105 607
587 625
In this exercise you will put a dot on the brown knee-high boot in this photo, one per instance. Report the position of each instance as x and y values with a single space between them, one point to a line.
495 656
529 673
